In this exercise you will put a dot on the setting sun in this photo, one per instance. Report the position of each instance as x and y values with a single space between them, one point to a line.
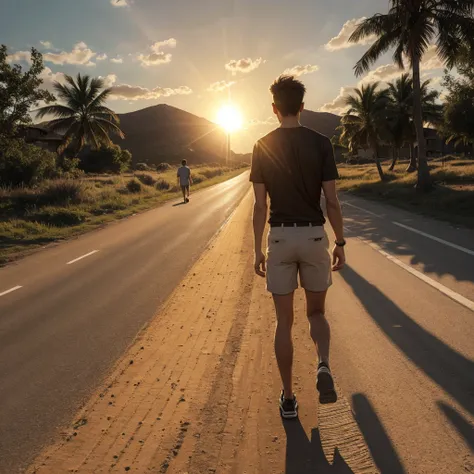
229 118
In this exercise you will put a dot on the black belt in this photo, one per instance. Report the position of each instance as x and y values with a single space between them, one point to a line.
295 224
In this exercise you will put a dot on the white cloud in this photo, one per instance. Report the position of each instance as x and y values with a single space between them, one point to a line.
338 106
341 41
220 86
81 54
109 80
101 57
431 60
46 44
19 56
159 44
49 77
384 73
129 92
156 57
244 65
120 3
117 60
300 70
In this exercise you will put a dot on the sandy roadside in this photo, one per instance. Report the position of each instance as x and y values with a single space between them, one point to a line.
196 393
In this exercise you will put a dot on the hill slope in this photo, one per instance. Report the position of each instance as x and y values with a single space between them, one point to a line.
162 133
322 122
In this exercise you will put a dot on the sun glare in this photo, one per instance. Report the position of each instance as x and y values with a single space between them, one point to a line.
229 118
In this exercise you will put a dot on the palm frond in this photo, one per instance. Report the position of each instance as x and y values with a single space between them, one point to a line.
56 110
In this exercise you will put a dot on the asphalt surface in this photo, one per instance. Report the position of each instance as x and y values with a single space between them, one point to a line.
402 318
69 323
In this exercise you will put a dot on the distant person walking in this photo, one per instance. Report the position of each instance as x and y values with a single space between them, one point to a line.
293 164
185 179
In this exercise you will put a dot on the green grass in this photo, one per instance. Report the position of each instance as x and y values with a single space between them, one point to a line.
452 198
60 209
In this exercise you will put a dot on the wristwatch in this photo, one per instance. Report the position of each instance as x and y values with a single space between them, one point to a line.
340 244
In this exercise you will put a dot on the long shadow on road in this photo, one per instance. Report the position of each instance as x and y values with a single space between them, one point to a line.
432 256
449 369
383 452
304 456
462 426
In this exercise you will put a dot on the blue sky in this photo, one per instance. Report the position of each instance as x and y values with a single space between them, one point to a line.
182 52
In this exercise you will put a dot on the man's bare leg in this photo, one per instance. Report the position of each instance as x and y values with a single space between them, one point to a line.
283 340
321 335
318 324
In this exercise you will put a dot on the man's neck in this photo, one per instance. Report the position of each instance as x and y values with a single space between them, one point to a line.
291 121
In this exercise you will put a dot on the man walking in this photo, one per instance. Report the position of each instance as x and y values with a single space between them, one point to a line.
293 164
184 179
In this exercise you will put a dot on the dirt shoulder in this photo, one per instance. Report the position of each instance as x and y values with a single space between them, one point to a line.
196 393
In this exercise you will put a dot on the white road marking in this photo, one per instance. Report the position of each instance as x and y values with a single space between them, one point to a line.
11 290
83 256
435 284
437 239
411 229
362 209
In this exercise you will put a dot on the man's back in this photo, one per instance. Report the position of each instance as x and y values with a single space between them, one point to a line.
184 174
293 163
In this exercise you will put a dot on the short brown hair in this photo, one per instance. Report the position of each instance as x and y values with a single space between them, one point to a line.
288 94
184 162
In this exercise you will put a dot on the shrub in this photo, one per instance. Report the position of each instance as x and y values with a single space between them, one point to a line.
22 164
106 160
62 192
134 186
59 216
163 167
142 167
109 206
211 172
162 185
198 178
146 179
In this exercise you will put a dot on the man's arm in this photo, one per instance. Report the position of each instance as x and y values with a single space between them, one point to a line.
190 178
259 220
334 213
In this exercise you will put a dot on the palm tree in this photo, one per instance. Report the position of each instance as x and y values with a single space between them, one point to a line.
82 118
400 94
410 27
364 124
400 113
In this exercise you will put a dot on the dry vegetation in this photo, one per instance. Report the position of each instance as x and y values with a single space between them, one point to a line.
452 198
61 208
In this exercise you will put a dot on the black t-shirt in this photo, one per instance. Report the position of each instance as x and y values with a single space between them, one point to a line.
293 163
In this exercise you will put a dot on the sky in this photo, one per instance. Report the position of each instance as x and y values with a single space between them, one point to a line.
199 55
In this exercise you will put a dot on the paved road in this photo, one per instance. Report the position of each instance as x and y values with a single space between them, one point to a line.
402 325
68 324
205 382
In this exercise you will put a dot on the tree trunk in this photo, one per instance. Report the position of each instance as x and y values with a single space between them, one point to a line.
394 159
412 166
377 162
423 182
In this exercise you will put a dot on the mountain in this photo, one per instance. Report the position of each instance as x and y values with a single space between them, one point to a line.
162 133
322 122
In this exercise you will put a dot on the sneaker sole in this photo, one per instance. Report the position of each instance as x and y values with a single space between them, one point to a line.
325 387
289 415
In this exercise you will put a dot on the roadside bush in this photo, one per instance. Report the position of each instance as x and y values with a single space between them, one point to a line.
163 167
142 167
146 179
22 164
198 178
162 185
109 206
59 216
105 160
212 172
62 192
134 186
